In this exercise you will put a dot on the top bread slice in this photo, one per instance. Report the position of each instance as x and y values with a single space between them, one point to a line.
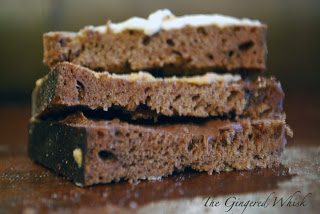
187 45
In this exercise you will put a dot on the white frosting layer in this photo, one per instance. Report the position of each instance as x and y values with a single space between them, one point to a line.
165 20
207 78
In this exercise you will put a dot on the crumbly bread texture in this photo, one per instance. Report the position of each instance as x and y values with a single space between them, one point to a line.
89 151
144 96
185 51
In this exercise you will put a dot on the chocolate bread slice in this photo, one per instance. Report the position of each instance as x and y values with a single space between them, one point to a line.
163 44
90 151
144 96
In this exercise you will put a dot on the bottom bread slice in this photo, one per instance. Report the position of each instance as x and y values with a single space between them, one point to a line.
89 151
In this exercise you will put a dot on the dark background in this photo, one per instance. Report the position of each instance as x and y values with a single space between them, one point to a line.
293 43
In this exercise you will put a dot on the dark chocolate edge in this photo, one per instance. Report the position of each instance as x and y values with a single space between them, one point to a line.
60 158
43 94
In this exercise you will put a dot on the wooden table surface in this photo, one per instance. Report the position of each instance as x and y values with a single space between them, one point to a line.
26 187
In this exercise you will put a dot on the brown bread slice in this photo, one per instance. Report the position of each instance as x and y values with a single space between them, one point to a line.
144 96
186 51
89 151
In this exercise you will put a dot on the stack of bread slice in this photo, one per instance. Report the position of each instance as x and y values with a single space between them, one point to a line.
144 98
